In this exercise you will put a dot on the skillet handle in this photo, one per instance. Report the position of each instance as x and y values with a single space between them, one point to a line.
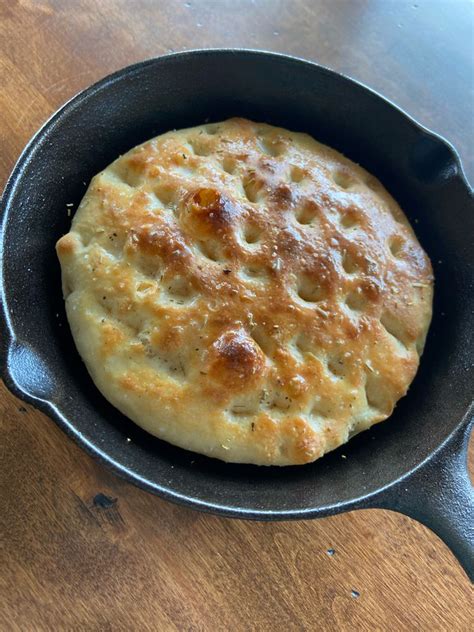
440 495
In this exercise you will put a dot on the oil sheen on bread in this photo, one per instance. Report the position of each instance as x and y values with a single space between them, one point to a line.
246 292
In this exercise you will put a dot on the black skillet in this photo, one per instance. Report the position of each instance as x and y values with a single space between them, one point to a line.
415 462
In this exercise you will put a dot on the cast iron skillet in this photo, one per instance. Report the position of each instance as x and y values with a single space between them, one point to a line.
415 462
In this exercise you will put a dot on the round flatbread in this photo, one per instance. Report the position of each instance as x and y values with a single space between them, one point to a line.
245 292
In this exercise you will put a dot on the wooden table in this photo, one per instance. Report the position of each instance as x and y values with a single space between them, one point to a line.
84 550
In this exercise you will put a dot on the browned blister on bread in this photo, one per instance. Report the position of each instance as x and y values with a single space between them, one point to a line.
245 292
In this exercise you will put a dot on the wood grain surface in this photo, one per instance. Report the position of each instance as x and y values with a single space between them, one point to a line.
81 549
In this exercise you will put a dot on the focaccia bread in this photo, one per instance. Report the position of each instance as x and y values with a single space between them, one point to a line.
245 292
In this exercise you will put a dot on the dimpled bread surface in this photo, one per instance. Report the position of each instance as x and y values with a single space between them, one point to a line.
245 292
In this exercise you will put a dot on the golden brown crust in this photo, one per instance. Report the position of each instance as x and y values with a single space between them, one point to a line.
245 292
